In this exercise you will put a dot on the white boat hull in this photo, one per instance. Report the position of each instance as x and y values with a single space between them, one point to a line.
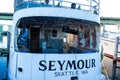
56 67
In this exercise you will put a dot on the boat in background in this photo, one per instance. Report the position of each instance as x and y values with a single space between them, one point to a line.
108 42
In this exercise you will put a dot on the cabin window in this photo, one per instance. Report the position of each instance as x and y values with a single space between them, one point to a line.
69 40
22 39
47 39
82 39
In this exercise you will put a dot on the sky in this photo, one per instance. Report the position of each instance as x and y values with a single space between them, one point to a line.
6 6
108 8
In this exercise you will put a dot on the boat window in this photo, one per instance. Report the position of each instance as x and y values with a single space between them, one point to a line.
57 40
22 39
82 40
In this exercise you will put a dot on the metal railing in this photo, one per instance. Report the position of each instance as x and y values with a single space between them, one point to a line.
90 5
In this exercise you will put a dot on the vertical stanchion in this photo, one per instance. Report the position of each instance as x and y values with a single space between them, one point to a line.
115 59
8 46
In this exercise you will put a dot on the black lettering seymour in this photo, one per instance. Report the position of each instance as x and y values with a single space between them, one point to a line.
66 64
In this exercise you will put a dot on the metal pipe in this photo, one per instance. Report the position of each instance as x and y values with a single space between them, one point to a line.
8 46
115 59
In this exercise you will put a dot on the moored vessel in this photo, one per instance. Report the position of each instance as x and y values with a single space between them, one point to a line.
55 40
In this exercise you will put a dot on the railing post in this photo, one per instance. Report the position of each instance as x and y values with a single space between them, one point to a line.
8 46
98 7
115 59
53 3
90 5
